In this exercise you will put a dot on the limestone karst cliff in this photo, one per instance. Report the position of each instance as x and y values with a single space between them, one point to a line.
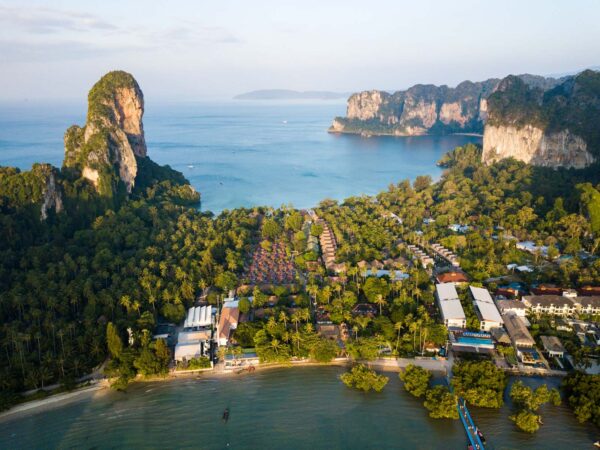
38 188
559 127
423 109
105 149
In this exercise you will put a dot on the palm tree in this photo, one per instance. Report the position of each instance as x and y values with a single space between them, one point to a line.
296 319
398 327
283 318
379 300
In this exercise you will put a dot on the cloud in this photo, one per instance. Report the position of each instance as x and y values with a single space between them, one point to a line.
42 52
42 20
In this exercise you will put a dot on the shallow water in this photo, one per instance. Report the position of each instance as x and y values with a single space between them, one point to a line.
298 408
243 154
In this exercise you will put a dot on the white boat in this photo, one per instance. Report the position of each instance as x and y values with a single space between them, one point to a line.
190 166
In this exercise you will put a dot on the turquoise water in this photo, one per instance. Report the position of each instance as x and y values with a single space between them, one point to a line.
242 154
298 408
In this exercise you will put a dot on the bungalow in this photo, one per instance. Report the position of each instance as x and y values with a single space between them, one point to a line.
365 309
529 246
553 346
458 228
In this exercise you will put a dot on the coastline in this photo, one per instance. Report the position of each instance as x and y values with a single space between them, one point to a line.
52 401
368 134
390 365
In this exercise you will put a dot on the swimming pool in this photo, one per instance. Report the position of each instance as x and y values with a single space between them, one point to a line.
474 341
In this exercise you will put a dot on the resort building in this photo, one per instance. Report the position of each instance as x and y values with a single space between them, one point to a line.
554 305
486 310
193 344
445 254
453 277
589 305
553 346
423 257
529 246
451 310
513 306
195 339
517 331
230 315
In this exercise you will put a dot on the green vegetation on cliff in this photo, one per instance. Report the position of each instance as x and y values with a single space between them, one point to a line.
572 105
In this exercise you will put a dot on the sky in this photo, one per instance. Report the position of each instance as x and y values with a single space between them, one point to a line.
207 50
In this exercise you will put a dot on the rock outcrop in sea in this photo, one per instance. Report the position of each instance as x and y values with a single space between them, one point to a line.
105 149
559 127
422 109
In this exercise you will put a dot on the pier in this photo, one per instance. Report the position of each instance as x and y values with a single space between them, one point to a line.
469 425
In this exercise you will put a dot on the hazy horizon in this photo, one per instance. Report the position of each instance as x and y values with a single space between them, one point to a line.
218 50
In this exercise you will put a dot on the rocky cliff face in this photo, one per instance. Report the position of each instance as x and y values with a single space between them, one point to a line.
422 109
105 149
534 146
559 127
39 187
52 197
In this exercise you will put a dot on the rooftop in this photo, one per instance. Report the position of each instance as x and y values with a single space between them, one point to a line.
552 344
452 277
452 309
517 330
548 300
446 291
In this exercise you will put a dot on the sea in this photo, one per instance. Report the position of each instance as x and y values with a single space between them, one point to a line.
240 154
289 408
258 154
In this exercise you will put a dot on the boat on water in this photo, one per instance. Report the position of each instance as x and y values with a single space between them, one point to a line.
481 437
597 444
226 415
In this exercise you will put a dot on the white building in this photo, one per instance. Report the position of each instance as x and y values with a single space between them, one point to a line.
488 314
451 310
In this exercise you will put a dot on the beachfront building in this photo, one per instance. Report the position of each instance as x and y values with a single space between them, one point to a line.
195 339
193 344
517 331
554 305
486 310
228 321
553 346
451 310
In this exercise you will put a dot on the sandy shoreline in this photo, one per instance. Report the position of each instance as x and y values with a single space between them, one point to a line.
58 400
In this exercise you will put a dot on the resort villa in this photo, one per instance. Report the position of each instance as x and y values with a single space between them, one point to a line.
228 321
518 332
452 311
553 346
